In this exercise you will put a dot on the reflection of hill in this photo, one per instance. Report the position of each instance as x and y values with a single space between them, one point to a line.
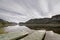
4 23
44 23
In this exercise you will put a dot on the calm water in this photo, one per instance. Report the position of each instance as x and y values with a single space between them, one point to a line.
50 35
14 29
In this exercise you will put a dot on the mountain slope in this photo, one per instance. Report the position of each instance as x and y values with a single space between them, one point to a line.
4 23
44 24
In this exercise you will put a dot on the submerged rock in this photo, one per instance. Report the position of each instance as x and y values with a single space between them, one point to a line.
12 35
36 35
50 35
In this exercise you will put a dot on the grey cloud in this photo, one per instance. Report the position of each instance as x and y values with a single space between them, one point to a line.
27 9
13 12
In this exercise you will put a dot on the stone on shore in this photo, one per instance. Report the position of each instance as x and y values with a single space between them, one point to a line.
12 35
36 35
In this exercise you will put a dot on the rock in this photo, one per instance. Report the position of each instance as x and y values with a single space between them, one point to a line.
12 35
36 35
56 17
50 35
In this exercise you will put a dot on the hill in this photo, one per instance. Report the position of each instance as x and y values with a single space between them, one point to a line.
52 23
4 23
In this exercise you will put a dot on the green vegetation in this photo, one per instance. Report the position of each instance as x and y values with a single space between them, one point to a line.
2 31
4 23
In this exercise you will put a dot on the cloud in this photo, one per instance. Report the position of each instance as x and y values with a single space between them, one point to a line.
23 10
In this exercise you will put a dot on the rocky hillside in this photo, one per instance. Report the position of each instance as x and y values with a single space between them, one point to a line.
54 20
4 23
52 23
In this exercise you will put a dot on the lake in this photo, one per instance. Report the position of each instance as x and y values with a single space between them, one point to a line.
14 30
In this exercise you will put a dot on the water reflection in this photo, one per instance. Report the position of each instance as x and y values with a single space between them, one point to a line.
16 28
49 34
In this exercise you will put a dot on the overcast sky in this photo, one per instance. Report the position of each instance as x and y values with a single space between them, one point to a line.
23 10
